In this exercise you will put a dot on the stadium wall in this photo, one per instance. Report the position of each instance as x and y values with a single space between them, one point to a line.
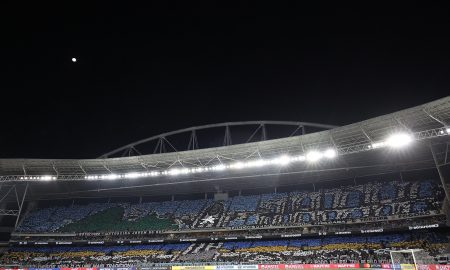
261 267
220 239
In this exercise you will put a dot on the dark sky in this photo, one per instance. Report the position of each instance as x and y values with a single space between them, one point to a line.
146 70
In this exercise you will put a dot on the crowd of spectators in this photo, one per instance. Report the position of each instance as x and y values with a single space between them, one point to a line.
325 249
376 206
400 224
346 204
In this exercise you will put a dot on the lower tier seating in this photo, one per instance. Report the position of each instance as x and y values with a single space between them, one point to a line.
326 249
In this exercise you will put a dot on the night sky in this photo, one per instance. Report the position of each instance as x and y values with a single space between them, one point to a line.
141 71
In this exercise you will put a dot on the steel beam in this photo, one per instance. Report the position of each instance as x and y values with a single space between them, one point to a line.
20 206
441 175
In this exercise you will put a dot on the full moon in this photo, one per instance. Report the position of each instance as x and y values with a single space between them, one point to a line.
74 59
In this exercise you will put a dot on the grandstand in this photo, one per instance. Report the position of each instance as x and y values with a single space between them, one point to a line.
333 197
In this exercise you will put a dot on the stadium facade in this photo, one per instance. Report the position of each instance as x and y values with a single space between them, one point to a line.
373 194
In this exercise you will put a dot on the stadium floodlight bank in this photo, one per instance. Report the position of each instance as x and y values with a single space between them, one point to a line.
429 122
396 140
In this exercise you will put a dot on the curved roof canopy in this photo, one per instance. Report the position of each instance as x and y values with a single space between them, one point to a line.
428 121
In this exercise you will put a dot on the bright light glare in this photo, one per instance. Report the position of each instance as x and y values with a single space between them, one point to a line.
448 130
237 165
283 160
177 171
330 153
257 163
313 156
47 177
299 158
174 172
378 144
132 175
111 176
399 140
199 169
220 167
74 59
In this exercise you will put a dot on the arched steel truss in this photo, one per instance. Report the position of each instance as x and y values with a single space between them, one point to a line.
429 122
163 144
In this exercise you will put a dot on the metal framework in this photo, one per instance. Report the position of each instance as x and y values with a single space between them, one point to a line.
11 200
440 162
428 122
162 142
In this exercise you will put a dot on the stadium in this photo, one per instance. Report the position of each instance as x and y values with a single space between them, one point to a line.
241 195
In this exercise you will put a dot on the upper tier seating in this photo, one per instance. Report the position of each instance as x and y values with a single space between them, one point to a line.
332 205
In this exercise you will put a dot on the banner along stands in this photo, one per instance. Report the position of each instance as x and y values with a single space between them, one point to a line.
43 268
80 268
237 267
263 266
308 266
194 267
118 268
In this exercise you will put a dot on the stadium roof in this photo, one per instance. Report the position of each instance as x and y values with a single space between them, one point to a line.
428 122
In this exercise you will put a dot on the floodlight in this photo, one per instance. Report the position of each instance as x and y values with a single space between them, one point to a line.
111 176
330 153
299 158
378 144
283 160
257 163
174 171
237 165
399 140
199 169
219 167
132 175
313 156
